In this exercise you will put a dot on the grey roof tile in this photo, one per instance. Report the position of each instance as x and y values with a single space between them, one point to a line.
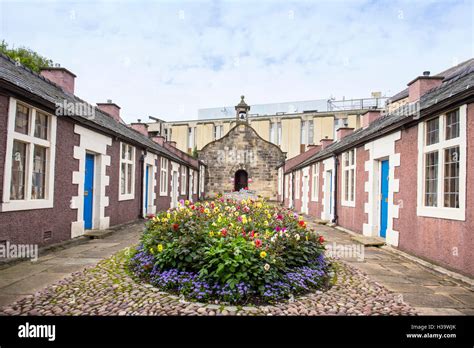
40 86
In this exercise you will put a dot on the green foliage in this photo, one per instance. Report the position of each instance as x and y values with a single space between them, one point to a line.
26 57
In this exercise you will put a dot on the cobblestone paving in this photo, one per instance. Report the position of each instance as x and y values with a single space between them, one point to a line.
107 289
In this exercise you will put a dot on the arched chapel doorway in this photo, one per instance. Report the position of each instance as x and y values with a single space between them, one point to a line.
241 180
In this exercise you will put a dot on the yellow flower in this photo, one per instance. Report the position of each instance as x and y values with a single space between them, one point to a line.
263 254
259 204
214 224
307 238
300 218
152 251
186 202
168 216
160 248
207 211
266 223
269 216
211 234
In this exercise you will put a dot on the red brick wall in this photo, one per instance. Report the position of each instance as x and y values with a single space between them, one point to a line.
432 238
27 226
353 218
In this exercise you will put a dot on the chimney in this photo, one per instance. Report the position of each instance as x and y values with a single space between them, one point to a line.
160 140
422 84
140 127
370 116
112 109
343 132
172 143
325 143
60 76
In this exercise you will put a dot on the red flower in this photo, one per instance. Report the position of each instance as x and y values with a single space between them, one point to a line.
279 217
252 234
321 239
175 227
224 232
302 223
150 216
258 243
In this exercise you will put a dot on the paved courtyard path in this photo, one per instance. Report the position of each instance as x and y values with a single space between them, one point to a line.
26 278
90 279
428 291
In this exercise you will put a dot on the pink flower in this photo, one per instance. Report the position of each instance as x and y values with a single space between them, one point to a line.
258 243
279 217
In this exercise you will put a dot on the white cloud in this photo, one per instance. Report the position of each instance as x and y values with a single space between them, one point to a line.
168 60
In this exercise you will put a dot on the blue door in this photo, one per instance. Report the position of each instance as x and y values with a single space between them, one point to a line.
147 176
384 198
88 191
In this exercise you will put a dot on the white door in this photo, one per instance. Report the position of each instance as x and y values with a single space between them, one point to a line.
174 190
328 197
305 192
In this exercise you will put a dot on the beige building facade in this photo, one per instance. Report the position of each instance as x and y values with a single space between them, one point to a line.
293 132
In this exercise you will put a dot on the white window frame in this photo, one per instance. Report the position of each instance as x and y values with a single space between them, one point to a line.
183 174
127 195
346 172
315 182
297 184
50 145
286 186
164 164
461 141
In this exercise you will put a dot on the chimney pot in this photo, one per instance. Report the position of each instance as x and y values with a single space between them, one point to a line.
60 76
111 109
426 73
140 127
325 142
343 132
421 85
370 116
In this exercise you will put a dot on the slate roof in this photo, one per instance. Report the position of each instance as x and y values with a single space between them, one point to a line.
38 85
448 74
458 82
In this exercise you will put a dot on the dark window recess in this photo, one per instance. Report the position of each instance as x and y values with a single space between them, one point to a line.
47 235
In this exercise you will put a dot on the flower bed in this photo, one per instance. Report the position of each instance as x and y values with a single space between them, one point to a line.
229 251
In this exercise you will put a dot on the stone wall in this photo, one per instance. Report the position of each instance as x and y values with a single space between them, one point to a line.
242 148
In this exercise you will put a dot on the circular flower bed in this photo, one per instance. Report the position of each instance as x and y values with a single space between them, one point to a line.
230 251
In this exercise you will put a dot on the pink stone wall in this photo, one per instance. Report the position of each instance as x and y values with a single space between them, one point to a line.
315 208
353 218
449 243
27 226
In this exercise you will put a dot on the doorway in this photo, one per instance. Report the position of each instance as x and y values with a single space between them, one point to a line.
384 180
88 191
241 180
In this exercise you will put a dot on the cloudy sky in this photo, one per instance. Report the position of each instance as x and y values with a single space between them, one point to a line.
168 59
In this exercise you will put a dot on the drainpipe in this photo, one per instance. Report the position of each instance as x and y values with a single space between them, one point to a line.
189 183
142 181
336 162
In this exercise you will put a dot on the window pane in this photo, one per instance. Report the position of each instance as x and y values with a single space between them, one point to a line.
352 153
21 119
431 179
130 152
39 172
452 125
451 177
346 185
124 150
129 177
432 131
352 185
122 179
310 132
41 125
17 187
